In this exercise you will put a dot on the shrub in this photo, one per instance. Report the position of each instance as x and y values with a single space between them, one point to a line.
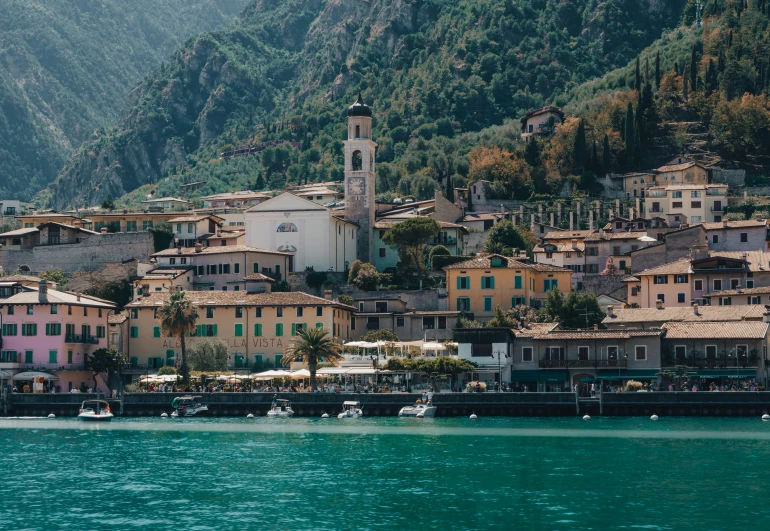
346 299
316 279
439 250
632 386
367 278
167 369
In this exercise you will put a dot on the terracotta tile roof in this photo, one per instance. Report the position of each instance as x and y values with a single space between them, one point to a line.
431 312
568 235
534 329
559 335
560 246
679 167
19 232
739 291
194 218
679 267
258 277
633 235
484 262
679 314
118 318
20 278
742 224
230 235
687 186
160 273
240 298
481 217
217 249
30 296
758 260
734 330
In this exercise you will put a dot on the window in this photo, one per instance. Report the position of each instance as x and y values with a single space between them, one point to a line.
10 310
676 204
550 283
29 329
717 284
694 204
133 332
744 237
583 353
30 309
660 279
487 304
711 352
428 323
699 285
28 356
52 355
695 193
279 329
677 194
236 267
696 219
256 267
549 254
179 227
258 312
54 309
101 332
238 312
463 282
634 292
517 282
69 356
441 322
680 279
592 269
10 329
727 301
715 238
554 353
400 322
85 311
8 356
640 353
382 252
287 227
749 283
754 300
487 282
190 228
680 298
481 350
526 353
155 331
463 304
130 226
146 225
226 269
238 332
257 330
735 283
661 297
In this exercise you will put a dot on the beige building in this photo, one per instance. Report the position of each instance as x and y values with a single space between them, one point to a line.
391 313
688 203
540 121
192 228
223 268
244 199
255 328
166 203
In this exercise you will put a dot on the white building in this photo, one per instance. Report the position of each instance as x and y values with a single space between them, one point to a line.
166 203
687 203
316 236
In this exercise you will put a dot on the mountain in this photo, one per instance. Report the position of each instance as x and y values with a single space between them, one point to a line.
66 67
433 69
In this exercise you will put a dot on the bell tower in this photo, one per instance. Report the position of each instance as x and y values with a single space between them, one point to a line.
359 176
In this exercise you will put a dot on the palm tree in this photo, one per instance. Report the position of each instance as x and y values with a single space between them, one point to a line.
312 345
177 318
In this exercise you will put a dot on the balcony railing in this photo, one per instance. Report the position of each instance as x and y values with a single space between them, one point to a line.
78 338
444 241
372 326
715 209
53 366
567 364
9 212
712 364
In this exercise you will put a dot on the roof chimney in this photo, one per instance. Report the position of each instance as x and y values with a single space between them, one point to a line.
42 293
179 248
610 311
695 309
103 230
328 294
596 326
198 247
659 304
78 297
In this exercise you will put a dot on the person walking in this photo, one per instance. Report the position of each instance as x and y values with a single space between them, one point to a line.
593 390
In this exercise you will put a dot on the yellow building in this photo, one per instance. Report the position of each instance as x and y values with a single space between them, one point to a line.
481 284
255 327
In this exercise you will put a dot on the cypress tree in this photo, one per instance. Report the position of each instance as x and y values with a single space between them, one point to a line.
693 71
580 148
629 136
639 119
450 191
657 70
685 91
469 195
606 154
646 69
676 67
711 77
595 164
637 149
638 78
647 101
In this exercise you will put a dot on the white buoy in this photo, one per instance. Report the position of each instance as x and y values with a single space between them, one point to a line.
250 416
51 416
586 417
163 415
765 417
654 417
325 416
473 416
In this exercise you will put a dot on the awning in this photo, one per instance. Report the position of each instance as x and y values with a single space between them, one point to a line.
31 375
629 374
587 380
726 373
539 376
4 375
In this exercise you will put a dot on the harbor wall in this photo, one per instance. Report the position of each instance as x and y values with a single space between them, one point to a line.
388 404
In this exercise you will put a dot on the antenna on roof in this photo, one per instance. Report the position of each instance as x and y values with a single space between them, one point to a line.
585 313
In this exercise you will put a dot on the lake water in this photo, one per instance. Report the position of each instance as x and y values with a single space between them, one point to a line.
385 473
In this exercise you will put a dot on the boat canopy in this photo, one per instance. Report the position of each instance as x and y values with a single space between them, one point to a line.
351 403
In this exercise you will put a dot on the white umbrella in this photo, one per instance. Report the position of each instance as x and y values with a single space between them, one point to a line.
298 375
646 239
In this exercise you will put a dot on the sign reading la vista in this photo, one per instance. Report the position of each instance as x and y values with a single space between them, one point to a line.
233 342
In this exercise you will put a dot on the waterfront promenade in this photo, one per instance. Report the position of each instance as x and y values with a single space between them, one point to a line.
729 404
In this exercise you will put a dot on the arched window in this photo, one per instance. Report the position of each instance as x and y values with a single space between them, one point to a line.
357 161
358 131
287 227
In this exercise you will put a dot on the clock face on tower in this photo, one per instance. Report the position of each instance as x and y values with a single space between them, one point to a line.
356 185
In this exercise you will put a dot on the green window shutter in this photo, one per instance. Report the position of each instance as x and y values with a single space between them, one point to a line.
517 282
278 358
554 284
48 329
238 330
257 330
28 356
69 356
459 304
492 282
294 329
215 330
487 304
319 325
459 282
134 361
52 356
155 331
279 330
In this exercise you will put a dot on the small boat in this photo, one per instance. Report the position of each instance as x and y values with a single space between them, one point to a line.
280 408
96 410
187 406
351 410
420 410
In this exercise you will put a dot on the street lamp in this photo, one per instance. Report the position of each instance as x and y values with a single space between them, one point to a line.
499 353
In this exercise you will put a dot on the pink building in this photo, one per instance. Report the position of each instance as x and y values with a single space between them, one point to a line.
47 333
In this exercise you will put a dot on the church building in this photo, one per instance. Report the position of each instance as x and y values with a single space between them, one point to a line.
318 237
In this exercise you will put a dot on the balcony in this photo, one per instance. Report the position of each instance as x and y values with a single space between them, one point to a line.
444 241
719 209
53 366
373 326
86 340
578 364
712 363
9 212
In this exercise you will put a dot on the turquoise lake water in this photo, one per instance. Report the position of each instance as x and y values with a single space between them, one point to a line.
385 473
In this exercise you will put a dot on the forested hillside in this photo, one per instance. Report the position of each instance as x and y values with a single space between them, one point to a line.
66 67
442 75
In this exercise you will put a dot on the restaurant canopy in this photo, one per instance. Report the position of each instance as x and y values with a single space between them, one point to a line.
31 375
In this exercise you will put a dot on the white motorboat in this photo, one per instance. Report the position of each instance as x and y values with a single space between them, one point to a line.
351 410
95 410
187 406
419 410
281 408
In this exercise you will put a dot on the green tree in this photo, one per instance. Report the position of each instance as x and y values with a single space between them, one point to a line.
436 368
346 299
411 238
694 70
167 370
606 154
469 195
630 131
505 236
383 334
162 236
657 70
208 355
104 360
576 310
500 320
637 76
367 278
312 346
177 318
109 204
55 275
580 148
